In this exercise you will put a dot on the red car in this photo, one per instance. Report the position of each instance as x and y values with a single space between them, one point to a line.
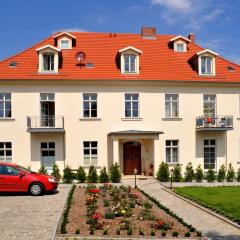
14 178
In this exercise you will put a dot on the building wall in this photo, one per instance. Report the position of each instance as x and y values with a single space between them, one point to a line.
68 102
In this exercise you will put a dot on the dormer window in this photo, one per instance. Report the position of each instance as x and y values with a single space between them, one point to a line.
64 44
48 61
180 47
130 60
64 40
206 65
180 43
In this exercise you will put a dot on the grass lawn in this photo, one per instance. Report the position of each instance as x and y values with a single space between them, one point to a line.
226 200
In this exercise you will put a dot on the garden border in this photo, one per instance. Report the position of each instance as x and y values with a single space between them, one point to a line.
202 208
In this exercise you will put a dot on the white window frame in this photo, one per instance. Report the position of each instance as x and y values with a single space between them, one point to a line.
51 59
6 158
132 101
129 56
180 47
213 65
90 156
89 101
215 157
171 147
67 46
171 101
4 101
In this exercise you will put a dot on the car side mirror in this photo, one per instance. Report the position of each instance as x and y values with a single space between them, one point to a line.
21 174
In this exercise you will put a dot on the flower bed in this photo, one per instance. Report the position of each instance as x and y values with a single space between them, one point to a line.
110 211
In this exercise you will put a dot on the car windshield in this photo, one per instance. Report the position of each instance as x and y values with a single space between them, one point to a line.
25 169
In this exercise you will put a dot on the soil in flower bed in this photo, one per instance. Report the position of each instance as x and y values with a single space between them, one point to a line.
133 215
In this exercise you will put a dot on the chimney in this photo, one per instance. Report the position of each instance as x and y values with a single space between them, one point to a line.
148 32
192 37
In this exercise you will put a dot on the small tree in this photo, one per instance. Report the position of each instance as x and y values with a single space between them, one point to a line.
230 173
115 174
81 175
210 175
56 172
103 178
163 172
199 175
68 175
177 173
238 175
189 174
92 175
221 173
42 170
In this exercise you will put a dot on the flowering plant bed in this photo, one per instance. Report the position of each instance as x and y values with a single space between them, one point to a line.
121 212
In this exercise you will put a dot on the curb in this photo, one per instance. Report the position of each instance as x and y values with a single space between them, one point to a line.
203 208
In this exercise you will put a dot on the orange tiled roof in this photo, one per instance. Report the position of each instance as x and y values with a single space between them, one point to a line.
157 62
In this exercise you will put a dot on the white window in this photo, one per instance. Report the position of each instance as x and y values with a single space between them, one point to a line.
64 44
131 105
5 151
90 153
90 105
5 105
180 47
171 106
209 153
130 63
48 61
172 151
209 105
207 65
48 155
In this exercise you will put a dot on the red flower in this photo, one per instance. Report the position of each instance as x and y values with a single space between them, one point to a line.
97 216
94 191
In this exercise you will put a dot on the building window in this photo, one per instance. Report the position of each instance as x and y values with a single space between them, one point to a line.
90 153
207 65
180 47
48 61
131 105
64 44
209 154
171 106
5 105
130 63
90 105
172 151
48 155
209 105
5 151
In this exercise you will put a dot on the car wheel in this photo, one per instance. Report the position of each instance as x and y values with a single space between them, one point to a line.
36 189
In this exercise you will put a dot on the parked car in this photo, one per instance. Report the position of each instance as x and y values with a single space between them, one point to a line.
14 178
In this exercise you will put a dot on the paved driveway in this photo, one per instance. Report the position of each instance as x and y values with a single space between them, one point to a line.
23 217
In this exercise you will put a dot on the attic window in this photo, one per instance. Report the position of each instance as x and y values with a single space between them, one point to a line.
180 47
129 63
13 64
89 65
207 65
48 62
64 44
231 69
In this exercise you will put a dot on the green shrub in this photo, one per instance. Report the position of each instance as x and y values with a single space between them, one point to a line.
189 174
230 173
210 175
164 233
56 172
81 175
68 175
118 231
152 233
177 173
105 231
199 175
238 175
109 214
175 234
221 173
141 232
42 170
130 231
115 174
187 234
163 172
92 175
103 178
77 231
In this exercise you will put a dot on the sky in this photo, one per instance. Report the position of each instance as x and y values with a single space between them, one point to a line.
215 22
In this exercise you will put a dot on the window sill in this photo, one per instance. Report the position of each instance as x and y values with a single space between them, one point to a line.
132 119
173 163
97 167
6 119
48 72
90 119
238 118
172 119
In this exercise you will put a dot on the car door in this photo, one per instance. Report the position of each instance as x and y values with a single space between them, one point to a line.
10 179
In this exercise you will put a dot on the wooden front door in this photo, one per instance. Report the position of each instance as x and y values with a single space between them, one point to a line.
131 157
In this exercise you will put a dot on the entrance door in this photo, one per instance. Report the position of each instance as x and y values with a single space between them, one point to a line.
131 157
48 155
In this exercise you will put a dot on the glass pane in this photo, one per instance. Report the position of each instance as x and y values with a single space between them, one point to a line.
135 96
175 154
44 153
1 113
94 96
93 105
43 96
1 153
1 96
8 145
127 96
86 96
86 105
51 153
94 160
43 145
8 96
94 113
135 113
135 105
86 113
94 151
1 145
212 142
8 153
1 105
94 144
174 109
8 113
11 171
86 151
168 155
168 143
128 105
127 113
86 144
175 142
86 160
167 109
51 144
167 97
206 142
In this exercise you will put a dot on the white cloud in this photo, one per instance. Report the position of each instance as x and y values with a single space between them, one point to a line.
70 30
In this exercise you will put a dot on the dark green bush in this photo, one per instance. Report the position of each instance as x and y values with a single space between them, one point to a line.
56 172
115 174
230 173
92 175
103 178
175 234
189 174
187 234
199 175
163 172
238 175
210 175
221 173
81 175
77 231
68 175
177 173
42 170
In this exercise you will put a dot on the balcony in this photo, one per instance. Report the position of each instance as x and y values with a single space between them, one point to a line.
37 124
218 123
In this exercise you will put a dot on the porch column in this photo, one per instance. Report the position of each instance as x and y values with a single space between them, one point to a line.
157 155
116 151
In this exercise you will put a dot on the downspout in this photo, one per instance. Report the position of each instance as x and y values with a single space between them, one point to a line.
226 160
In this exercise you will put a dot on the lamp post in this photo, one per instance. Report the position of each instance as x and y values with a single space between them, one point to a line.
135 173
171 175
